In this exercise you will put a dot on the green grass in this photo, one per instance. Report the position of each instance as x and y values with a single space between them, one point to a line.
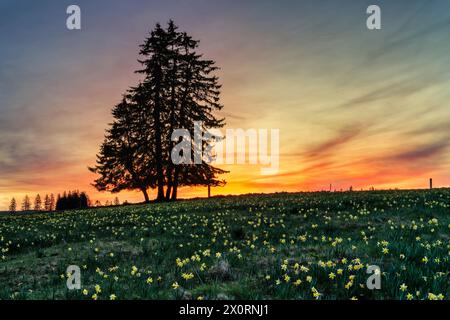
282 246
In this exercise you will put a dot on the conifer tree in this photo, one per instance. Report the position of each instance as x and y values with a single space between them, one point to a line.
26 204
13 206
38 203
52 202
178 88
47 203
123 163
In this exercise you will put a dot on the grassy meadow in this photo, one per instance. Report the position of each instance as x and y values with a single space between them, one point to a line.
280 246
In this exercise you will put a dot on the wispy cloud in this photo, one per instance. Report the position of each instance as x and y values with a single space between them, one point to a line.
353 107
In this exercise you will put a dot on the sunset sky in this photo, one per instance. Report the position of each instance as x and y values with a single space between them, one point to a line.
354 107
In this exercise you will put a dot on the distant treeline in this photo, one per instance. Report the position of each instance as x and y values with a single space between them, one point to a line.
66 201
69 200
47 205
72 200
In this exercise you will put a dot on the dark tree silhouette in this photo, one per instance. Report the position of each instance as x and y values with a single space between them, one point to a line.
197 94
37 203
178 88
52 203
13 206
47 203
26 204
154 50
123 162
72 200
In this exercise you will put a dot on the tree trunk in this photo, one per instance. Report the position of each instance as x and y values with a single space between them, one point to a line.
182 107
170 166
175 183
169 183
158 145
146 197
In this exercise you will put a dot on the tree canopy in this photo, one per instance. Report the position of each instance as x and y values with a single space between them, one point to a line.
179 87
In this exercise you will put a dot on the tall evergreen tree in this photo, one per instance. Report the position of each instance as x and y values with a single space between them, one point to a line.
47 203
155 58
178 88
13 206
198 99
72 200
38 203
123 163
26 204
192 94
52 202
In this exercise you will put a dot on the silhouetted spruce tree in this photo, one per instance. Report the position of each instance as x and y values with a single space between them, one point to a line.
84 200
124 162
47 203
52 202
38 203
13 206
191 93
198 97
178 88
58 199
26 204
155 55
72 200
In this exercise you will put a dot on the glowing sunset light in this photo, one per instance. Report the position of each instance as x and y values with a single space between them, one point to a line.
354 108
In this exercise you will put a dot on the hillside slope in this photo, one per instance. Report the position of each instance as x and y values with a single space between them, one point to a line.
282 246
